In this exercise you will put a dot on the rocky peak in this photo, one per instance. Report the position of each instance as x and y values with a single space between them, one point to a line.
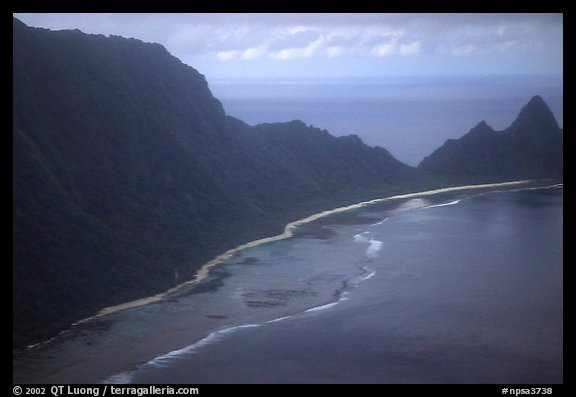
535 115
479 132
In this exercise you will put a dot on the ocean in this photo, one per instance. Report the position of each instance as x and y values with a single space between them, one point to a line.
462 290
409 116
447 288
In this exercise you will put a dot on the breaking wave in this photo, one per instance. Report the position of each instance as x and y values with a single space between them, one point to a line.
372 251
374 246
443 204
165 359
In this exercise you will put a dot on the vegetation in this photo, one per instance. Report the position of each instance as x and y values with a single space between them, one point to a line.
126 169
532 147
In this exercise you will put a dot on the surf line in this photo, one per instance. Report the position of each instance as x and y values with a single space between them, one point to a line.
288 232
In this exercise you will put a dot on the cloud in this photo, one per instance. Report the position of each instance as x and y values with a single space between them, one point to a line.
369 38
464 50
335 51
227 55
300 42
190 39
383 50
291 53
252 53
298 52
412 48
292 37
397 35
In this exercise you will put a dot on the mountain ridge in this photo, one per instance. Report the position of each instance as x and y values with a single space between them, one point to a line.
535 113
127 171
531 147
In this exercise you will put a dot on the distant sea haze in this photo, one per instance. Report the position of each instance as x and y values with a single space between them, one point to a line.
409 116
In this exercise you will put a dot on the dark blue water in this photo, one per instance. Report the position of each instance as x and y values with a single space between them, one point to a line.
409 116
466 292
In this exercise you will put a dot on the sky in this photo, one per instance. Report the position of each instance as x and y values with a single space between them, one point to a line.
313 46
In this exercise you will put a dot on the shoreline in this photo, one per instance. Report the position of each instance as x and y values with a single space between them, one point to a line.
89 361
204 270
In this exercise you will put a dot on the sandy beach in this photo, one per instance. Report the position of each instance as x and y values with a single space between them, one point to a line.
91 356
204 270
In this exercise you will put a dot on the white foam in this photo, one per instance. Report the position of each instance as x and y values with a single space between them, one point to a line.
204 270
381 222
443 204
368 276
323 307
362 237
278 319
212 337
344 295
123 378
557 186
163 360
412 204
374 248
